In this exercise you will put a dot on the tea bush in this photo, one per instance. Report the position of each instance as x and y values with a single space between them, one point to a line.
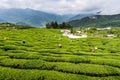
40 58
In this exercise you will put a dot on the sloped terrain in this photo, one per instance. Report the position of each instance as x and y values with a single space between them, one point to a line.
34 54
97 21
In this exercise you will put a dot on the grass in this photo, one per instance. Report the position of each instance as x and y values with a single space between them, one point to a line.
40 58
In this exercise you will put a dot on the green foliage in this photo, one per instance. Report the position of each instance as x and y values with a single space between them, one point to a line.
8 47
40 58
114 31
55 25
97 21
13 26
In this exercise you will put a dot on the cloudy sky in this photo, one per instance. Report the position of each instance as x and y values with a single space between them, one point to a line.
66 6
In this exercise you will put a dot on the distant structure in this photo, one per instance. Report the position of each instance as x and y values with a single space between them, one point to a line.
93 17
65 31
111 35
70 35
88 28
78 32
107 28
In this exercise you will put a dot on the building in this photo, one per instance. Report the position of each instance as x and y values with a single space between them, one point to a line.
107 28
111 35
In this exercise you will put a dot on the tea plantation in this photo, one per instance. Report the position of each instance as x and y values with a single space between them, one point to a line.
34 54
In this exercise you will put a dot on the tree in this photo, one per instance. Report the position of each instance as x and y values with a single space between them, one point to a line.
55 25
48 26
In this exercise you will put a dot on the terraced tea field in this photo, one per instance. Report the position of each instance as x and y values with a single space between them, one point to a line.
34 54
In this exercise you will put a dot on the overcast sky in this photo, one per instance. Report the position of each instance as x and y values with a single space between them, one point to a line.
66 6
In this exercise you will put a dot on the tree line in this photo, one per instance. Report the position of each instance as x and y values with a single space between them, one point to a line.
55 25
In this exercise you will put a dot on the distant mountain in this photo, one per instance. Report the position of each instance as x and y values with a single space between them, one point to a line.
34 18
1 21
29 17
80 16
97 20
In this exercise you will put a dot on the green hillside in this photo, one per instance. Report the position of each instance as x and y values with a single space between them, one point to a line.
97 21
34 54
13 26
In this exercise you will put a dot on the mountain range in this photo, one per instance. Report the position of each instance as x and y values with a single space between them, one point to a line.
79 16
33 17
36 18
97 21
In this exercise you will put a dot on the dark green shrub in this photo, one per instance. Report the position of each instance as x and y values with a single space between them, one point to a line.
9 47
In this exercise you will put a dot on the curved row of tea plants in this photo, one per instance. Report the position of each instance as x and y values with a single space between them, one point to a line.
34 54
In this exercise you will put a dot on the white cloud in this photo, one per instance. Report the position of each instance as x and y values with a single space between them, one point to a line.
66 6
